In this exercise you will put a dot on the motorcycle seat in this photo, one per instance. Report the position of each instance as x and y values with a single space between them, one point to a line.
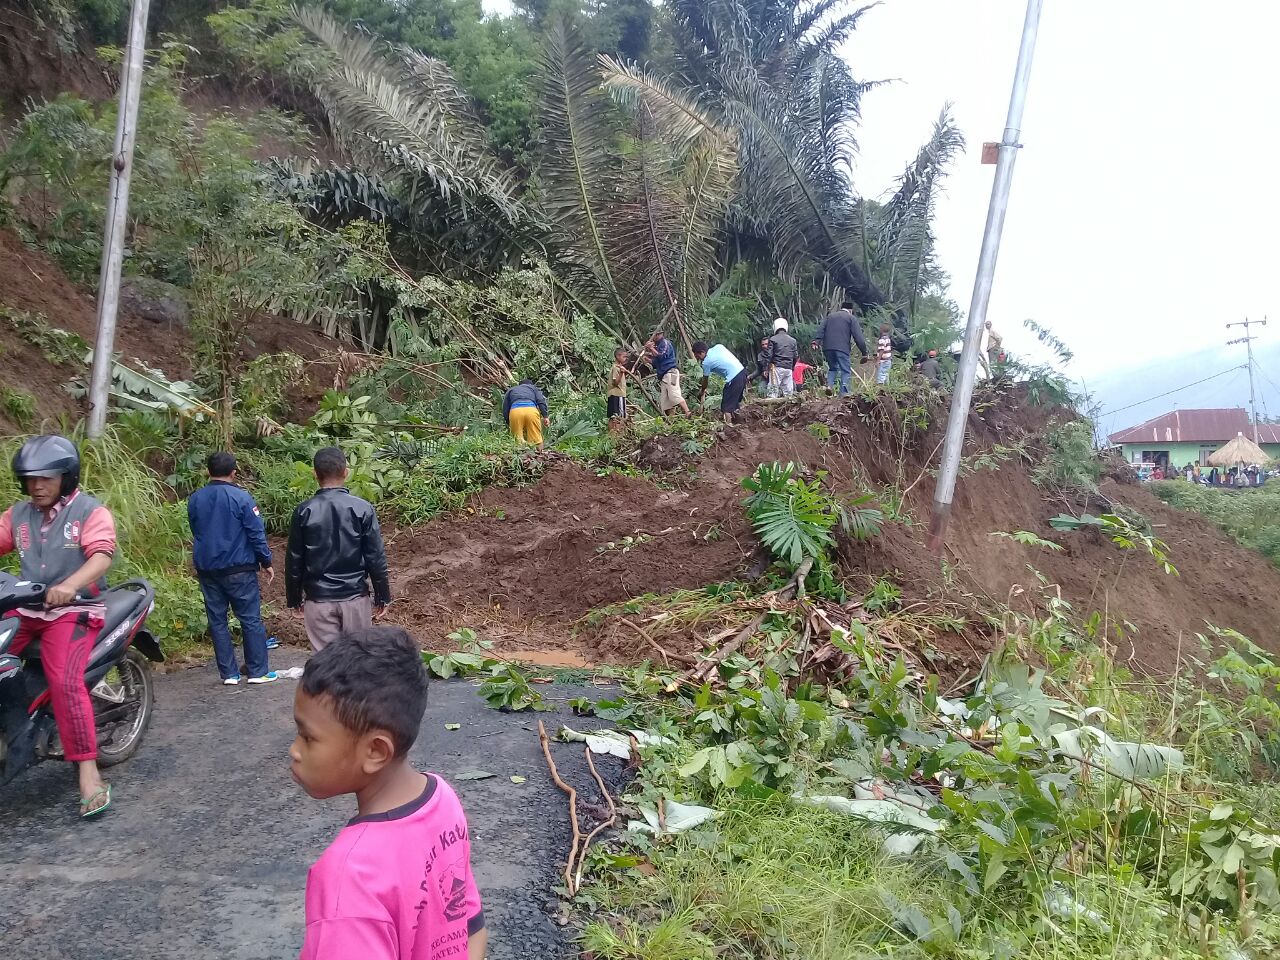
121 603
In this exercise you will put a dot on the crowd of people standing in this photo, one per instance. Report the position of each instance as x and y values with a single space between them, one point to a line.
779 370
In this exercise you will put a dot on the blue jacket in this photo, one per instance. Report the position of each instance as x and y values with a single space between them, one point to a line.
664 358
524 393
228 530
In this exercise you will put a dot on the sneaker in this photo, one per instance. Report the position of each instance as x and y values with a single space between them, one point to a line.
265 678
272 643
230 681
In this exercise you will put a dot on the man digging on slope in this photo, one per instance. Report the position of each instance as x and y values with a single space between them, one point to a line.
719 361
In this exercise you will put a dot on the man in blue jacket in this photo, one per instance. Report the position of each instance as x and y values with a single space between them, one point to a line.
230 546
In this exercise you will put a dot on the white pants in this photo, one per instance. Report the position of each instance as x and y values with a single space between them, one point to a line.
782 383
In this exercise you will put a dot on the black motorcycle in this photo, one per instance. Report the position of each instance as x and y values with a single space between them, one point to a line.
117 674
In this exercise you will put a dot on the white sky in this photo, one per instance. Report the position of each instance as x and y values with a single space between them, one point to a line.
1145 205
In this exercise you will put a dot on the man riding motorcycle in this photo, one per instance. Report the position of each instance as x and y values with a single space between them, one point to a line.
66 539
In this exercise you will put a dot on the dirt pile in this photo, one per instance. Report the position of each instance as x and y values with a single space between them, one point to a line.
31 282
529 564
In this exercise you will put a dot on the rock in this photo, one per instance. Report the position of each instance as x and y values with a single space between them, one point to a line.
155 300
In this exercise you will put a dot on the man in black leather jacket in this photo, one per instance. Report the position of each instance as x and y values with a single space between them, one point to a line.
335 550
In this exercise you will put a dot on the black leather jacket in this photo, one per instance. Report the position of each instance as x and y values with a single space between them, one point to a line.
783 350
335 549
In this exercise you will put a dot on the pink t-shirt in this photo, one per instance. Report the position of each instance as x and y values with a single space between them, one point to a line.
396 885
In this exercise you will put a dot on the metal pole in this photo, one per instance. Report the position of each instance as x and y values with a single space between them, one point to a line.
963 396
1253 408
117 213
1248 346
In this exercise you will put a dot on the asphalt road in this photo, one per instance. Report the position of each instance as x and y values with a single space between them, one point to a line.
205 852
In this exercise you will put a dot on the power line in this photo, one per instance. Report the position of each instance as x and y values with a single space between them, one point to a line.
1186 386
1262 373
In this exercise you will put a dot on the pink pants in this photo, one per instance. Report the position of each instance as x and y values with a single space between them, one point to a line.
65 645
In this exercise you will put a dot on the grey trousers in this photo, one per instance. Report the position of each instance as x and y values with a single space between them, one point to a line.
326 620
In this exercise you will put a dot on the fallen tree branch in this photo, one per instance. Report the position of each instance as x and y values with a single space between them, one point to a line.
702 672
573 808
613 817
666 655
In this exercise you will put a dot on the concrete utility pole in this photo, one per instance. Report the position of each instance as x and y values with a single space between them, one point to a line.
1248 346
117 213
973 338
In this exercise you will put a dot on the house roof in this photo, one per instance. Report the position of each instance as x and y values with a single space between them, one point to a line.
1214 425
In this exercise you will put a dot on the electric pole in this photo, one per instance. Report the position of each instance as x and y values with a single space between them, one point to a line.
1248 346
1008 149
117 214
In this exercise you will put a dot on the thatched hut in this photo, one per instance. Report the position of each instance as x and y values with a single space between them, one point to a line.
1239 452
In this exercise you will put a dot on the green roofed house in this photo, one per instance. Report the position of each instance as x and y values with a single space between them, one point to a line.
1180 437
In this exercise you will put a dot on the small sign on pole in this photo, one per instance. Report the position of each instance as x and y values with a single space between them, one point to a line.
990 153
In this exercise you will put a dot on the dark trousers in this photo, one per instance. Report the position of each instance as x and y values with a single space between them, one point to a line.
239 592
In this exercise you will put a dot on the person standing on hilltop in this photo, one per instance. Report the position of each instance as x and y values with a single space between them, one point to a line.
834 336
718 360
335 550
884 354
995 350
229 546
616 402
661 354
783 353
525 409
931 370
762 366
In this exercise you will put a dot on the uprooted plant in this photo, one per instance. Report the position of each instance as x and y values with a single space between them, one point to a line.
1120 530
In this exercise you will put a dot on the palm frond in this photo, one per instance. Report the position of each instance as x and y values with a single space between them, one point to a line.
688 168
577 160
403 112
904 235
792 194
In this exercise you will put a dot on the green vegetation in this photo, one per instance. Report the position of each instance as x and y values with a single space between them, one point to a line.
856 811
1250 517
795 518
18 405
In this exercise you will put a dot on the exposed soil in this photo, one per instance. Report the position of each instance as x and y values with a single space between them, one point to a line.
32 282
528 564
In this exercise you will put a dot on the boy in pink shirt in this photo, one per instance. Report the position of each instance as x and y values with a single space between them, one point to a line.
396 883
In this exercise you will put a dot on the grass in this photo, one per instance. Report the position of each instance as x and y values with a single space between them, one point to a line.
18 405
1250 517
772 879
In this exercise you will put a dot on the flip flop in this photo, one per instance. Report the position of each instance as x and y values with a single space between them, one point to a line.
85 812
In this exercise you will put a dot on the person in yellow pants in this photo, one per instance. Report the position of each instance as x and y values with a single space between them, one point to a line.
525 409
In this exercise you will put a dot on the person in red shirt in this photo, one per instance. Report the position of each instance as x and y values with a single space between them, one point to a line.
65 539
396 883
801 368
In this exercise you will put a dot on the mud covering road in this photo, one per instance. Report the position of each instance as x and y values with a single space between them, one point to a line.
205 852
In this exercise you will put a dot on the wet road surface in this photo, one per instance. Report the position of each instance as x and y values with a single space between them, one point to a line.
204 854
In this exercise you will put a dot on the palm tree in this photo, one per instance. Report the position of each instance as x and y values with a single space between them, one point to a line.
901 241
649 189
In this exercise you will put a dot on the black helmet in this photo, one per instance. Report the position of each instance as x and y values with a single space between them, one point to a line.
48 456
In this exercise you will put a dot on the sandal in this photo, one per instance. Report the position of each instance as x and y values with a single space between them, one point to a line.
87 809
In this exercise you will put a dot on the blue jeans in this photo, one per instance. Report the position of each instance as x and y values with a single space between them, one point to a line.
838 367
882 371
239 591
